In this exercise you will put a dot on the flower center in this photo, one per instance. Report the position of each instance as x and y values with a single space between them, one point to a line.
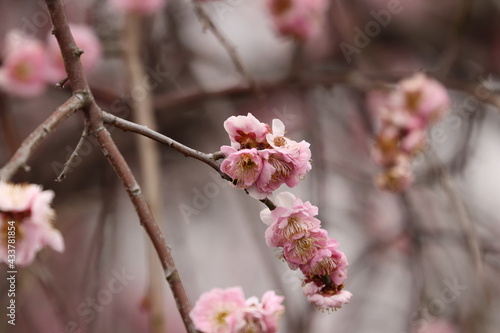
220 318
279 141
22 71
17 218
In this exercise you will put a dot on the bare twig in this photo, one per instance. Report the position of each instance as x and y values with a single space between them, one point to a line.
207 23
74 155
22 155
143 130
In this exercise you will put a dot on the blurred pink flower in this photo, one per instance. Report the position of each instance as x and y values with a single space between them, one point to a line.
226 311
85 39
24 66
27 208
299 19
144 7
246 132
398 177
215 311
244 166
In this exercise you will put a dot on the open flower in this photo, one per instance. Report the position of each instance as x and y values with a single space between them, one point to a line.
246 132
24 66
244 166
226 311
26 215
85 39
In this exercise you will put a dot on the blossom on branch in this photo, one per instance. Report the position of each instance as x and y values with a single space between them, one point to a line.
280 160
305 246
26 222
227 311
24 66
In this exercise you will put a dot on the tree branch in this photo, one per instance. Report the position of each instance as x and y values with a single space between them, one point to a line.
22 155
74 155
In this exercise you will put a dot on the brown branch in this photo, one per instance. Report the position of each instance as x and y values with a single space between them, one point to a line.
146 131
207 23
93 115
74 155
21 156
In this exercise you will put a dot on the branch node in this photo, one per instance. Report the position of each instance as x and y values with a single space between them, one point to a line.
61 83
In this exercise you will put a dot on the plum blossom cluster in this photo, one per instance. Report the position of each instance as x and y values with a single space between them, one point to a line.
29 64
259 159
404 114
227 311
28 206
298 19
306 246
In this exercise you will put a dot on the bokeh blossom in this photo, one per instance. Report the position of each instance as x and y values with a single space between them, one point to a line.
227 311
24 65
403 114
298 19
27 208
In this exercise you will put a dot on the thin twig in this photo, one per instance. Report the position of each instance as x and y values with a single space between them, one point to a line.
74 155
207 23
143 130
22 155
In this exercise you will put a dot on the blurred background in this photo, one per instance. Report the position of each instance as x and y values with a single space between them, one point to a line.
423 261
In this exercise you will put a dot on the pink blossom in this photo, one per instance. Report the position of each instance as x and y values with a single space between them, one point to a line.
298 252
272 310
328 261
246 132
27 209
226 311
425 97
244 166
24 67
217 310
299 19
327 301
398 177
144 7
291 219
85 39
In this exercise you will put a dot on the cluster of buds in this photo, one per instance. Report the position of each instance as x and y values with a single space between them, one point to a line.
404 113
29 64
26 223
227 311
299 19
306 246
259 159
